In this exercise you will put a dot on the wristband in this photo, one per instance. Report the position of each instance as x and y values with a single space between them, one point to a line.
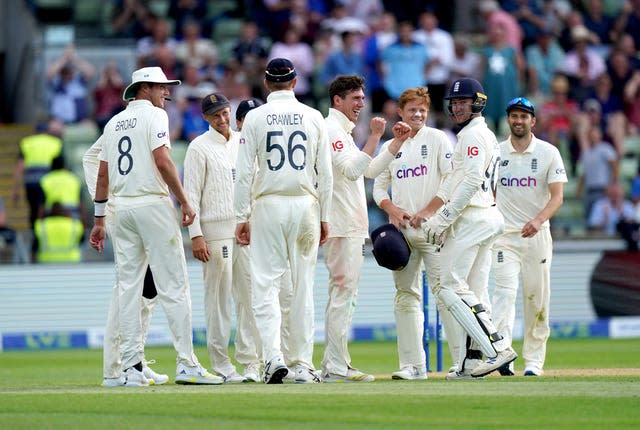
100 208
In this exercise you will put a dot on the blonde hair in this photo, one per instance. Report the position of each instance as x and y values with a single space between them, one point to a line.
413 94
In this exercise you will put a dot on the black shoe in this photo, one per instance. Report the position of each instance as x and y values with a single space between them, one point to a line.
505 371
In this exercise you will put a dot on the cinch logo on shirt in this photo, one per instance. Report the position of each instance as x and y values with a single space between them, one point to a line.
529 181
560 172
448 155
337 145
472 151
161 135
411 172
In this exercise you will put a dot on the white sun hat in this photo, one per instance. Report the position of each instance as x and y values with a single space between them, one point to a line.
147 74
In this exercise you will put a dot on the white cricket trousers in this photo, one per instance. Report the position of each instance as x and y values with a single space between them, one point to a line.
407 304
146 231
111 364
248 349
514 255
465 258
217 274
285 233
343 257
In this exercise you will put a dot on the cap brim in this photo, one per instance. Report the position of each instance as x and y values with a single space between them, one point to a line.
130 91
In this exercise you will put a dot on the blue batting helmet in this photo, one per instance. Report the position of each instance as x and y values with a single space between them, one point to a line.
468 88
390 248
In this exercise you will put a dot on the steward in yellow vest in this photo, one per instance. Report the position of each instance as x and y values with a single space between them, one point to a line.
62 186
59 237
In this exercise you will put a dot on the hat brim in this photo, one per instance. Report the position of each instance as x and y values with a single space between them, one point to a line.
130 92
213 110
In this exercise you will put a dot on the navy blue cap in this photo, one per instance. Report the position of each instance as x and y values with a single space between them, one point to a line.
245 106
280 70
390 248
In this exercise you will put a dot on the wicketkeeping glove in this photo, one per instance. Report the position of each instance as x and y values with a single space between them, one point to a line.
435 227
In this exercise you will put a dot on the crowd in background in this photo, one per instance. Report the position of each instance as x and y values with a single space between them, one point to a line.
577 60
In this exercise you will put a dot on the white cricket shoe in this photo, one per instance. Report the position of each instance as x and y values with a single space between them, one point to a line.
304 375
135 378
274 371
353 375
120 381
290 378
252 373
409 373
469 365
503 357
234 378
196 375
154 377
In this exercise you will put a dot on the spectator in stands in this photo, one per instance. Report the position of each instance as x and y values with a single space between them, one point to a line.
339 21
148 47
620 71
183 11
543 58
403 63
572 19
502 68
613 213
34 161
59 236
492 15
68 78
7 234
582 64
194 47
600 167
626 45
383 34
557 117
631 99
439 44
272 16
107 95
366 11
249 56
192 86
131 18
300 54
598 23
60 185
466 61
530 18
629 20
306 20
609 112
347 60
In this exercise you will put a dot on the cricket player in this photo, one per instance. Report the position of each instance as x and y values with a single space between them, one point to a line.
413 178
248 349
137 173
348 220
289 218
463 217
113 376
209 175
530 191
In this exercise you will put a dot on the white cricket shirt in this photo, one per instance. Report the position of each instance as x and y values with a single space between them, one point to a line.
209 177
289 140
523 181
129 140
417 171
475 164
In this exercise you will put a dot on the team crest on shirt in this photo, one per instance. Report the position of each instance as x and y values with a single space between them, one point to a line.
424 151
504 163
399 154
534 165
242 141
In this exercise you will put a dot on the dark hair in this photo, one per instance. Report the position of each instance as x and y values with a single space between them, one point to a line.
343 85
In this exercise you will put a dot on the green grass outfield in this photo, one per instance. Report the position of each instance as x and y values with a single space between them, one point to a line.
588 384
